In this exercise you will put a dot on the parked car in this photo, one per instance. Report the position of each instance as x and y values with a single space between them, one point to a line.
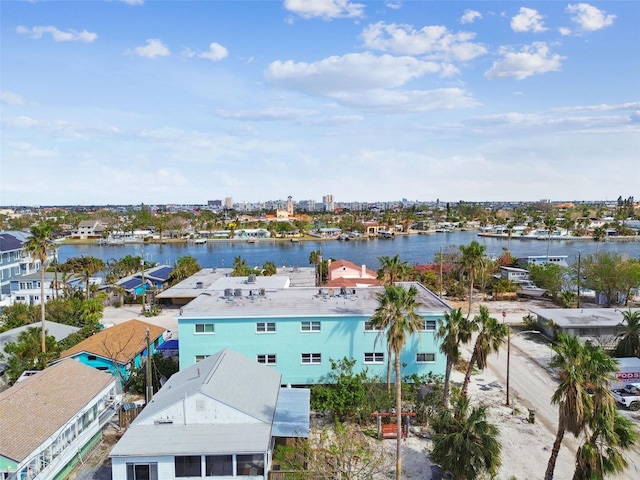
629 396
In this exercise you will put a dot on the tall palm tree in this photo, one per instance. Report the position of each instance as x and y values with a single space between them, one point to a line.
465 443
391 270
472 259
491 336
402 320
383 316
629 341
583 396
453 331
38 246
85 268
550 224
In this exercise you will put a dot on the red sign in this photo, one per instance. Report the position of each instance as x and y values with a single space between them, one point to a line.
504 314
628 375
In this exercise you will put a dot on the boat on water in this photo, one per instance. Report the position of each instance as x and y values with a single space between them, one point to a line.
199 241
527 288
386 234
251 240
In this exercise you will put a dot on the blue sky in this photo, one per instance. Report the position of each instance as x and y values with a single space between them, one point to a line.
182 102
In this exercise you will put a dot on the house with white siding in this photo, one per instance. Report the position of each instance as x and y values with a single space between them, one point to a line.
218 418
51 419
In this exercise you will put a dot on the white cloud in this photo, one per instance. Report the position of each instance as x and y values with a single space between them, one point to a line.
215 53
396 5
564 31
153 48
588 17
434 41
133 2
470 16
266 114
366 81
408 101
326 9
528 20
532 59
57 35
351 72
10 98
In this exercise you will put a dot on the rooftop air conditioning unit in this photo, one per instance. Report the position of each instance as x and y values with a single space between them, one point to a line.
228 293
252 278
198 284
238 292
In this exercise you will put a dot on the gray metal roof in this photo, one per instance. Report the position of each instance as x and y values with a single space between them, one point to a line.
298 302
212 439
230 379
227 377
292 413
582 317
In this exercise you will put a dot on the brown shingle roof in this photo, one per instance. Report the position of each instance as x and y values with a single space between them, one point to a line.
32 410
121 342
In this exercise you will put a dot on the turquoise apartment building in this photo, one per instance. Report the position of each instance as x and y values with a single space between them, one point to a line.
297 330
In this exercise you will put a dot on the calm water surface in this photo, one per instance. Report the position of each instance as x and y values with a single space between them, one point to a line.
411 248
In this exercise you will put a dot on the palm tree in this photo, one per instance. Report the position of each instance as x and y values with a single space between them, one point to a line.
391 270
85 268
464 442
491 336
550 224
472 259
382 317
38 246
184 267
583 396
453 331
402 319
598 235
629 343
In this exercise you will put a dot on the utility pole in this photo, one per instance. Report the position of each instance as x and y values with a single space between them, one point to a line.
441 271
578 280
149 381
144 291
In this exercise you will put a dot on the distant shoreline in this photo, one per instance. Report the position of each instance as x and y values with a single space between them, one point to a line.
566 238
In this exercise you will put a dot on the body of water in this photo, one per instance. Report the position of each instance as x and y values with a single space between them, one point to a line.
413 249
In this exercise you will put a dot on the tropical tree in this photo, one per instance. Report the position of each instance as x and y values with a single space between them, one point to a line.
269 268
240 267
392 270
184 267
38 246
26 353
464 442
453 331
472 260
85 268
583 396
401 319
492 334
629 341
315 258
551 224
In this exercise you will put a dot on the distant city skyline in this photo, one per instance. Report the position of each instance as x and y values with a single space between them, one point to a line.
129 102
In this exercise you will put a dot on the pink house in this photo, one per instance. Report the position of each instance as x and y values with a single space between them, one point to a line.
343 273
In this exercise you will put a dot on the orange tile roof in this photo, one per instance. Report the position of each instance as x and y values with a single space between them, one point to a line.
121 342
34 409
336 264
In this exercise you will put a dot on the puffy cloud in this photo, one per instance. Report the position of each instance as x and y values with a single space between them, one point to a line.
588 17
532 59
133 2
351 72
153 48
366 81
528 20
470 16
326 9
57 35
215 53
564 31
10 98
434 41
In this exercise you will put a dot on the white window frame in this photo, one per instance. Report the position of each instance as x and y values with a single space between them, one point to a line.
368 327
425 361
371 358
267 358
312 326
311 358
204 325
266 327
425 328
